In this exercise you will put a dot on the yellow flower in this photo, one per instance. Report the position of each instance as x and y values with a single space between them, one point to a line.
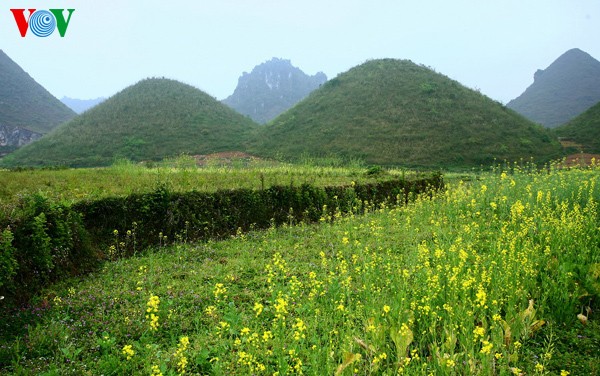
539 367
219 291
184 342
486 348
156 371
267 336
128 351
517 345
450 363
564 373
152 304
258 308
245 331
481 297
479 332
299 329
153 321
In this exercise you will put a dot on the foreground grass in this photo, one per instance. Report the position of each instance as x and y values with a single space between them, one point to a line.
486 278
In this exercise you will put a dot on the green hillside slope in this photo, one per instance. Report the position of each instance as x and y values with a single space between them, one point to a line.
394 112
26 104
584 130
150 120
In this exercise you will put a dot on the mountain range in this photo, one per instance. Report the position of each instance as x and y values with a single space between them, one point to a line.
385 111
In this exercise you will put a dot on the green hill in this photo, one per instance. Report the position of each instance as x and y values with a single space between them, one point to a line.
27 110
584 130
394 112
568 87
150 120
25 103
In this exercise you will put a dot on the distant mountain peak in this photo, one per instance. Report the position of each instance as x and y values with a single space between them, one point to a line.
565 89
81 105
271 88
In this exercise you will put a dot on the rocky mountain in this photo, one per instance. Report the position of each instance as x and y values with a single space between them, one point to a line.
568 87
271 88
151 120
81 105
27 110
395 112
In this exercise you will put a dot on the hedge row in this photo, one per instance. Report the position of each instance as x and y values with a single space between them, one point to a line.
47 241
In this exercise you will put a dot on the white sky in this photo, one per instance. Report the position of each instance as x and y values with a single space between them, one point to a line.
495 46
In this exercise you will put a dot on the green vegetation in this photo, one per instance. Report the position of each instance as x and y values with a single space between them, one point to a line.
179 175
497 276
25 103
568 87
46 239
392 112
584 130
151 120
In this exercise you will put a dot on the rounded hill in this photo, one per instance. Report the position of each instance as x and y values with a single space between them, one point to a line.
395 112
150 120
584 130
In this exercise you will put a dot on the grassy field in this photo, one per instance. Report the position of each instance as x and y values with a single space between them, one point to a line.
179 174
496 276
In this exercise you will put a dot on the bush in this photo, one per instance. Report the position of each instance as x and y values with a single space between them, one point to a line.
48 242
51 240
8 264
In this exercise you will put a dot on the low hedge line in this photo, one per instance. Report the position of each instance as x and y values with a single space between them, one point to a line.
44 241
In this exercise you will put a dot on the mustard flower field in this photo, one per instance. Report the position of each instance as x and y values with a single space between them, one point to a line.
496 275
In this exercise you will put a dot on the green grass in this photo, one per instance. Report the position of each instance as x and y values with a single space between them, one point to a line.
485 278
584 130
394 112
149 121
180 175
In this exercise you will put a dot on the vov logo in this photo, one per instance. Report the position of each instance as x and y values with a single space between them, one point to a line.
42 23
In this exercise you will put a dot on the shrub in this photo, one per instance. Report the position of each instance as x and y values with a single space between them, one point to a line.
8 264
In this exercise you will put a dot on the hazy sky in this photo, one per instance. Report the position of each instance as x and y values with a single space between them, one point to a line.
495 46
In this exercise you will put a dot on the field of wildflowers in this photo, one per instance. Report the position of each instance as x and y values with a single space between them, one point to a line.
498 275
